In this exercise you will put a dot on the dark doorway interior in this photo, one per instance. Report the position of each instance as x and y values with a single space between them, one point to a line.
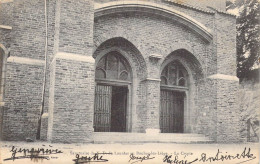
110 108
172 112
118 109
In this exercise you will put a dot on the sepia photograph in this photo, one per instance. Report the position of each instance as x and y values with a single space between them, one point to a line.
129 81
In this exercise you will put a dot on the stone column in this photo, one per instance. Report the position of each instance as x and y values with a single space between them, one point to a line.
153 94
227 114
71 94
153 105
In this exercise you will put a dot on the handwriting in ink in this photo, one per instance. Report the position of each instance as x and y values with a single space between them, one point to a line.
176 160
225 157
138 158
98 157
40 153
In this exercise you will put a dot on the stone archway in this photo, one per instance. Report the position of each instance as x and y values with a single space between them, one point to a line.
113 76
174 87
135 85
185 93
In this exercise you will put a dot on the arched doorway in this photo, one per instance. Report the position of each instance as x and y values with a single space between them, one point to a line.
174 86
113 82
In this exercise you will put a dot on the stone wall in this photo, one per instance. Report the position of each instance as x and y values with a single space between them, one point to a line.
22 100
72 74
24 76
6 13
71 101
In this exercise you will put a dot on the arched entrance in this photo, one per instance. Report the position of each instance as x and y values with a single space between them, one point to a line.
174 86
113 82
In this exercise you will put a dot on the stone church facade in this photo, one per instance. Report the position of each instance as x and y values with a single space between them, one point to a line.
73 68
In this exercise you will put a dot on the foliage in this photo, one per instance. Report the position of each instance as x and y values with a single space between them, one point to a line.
248 31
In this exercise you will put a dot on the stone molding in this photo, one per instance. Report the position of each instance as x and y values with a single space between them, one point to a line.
152 79
45 115
5 27
6 1
153 8
75 57
223 77
22 60
2 104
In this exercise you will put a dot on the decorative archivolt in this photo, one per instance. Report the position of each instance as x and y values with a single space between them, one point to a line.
153 8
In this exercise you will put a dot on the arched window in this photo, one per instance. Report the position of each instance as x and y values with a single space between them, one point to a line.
113 66
174 74
112 92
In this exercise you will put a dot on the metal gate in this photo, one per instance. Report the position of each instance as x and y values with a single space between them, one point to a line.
171 112
102 108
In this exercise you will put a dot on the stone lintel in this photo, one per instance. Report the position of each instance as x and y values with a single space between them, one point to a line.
152 79
45 115
6 1
2 104
75 57
223 77
23 60
6 27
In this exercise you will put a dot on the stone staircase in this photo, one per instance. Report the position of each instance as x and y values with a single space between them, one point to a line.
119 137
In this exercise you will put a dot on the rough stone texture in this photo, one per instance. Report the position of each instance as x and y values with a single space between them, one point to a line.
5 38
71 82
76 30
28 33
227 111
206 113
72 102
22 101
6 14
225 37
153 104
23 86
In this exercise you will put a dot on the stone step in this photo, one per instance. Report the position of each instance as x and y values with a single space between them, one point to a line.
113 137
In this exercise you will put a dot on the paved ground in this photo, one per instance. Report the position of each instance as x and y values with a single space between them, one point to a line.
22 152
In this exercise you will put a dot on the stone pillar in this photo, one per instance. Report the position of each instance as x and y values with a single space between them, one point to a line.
153 105
71 93
71 99
227 124
153 94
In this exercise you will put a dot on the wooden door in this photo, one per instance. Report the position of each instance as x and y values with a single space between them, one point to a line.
118 109
171 112
102 108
